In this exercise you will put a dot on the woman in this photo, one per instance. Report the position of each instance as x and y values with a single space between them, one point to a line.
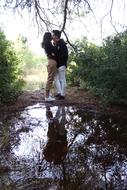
51 52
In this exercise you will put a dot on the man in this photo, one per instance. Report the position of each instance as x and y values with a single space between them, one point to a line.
60 78
56 147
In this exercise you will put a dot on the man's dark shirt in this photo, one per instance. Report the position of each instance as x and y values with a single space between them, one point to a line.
62 53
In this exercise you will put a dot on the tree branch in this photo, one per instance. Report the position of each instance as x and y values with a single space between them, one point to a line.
68 41
109 13
111 16
89 6
65 15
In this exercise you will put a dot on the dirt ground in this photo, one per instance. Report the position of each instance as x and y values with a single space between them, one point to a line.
74 97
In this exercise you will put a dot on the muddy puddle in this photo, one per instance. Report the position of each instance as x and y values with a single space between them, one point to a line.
62 148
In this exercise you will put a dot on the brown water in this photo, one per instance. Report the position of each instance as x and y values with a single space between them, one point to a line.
78 150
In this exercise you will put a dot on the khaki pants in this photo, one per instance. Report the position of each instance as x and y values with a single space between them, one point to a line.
51 69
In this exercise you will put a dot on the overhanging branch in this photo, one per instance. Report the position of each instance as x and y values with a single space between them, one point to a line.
68 41
65 15
109 13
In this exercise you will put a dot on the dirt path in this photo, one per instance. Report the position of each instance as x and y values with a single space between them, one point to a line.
74 97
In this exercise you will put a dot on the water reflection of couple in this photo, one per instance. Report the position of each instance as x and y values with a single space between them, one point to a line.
56 148
57 55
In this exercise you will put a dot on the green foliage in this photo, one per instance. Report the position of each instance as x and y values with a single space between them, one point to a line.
29 59
10 74
102 70
33 65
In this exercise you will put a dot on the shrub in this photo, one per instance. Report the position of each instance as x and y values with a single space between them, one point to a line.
103 70
11 82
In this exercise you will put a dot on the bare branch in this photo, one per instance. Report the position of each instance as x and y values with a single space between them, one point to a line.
38 14
65 15
111 16
90 8
59 13
108 13
68 41
46 22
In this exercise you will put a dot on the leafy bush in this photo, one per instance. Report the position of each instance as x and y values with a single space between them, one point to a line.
102 70
11 82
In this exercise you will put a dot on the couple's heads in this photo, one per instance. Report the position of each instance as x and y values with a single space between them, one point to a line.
55 36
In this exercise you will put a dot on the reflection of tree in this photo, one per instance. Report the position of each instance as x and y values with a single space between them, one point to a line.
96 157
